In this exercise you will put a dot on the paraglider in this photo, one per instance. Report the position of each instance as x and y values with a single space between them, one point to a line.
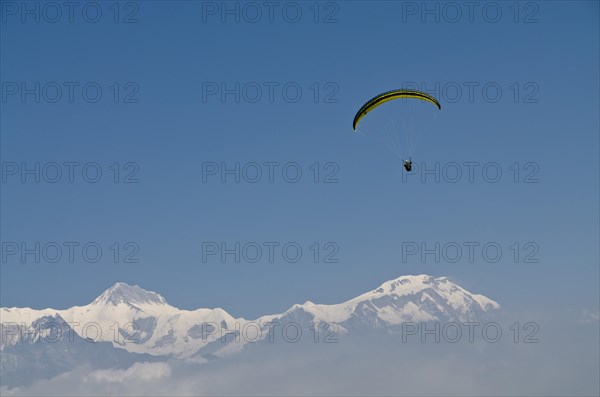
393 140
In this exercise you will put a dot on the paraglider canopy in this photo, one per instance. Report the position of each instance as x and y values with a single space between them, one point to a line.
388 96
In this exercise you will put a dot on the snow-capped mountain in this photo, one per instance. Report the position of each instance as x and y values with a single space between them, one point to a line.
140 321
406 299
131 295
52 347
134 319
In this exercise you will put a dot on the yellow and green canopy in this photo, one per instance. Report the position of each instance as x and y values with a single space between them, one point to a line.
388 96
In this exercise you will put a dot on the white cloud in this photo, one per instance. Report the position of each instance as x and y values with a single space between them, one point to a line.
147 372
588 316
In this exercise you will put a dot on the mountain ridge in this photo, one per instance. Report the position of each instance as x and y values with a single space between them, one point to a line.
160 329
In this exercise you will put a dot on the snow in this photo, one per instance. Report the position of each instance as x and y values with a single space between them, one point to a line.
167 330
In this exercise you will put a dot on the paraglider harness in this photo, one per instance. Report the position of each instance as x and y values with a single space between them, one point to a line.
408 165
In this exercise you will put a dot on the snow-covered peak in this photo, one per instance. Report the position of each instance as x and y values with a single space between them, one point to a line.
453 294
406 284
128 294
407 298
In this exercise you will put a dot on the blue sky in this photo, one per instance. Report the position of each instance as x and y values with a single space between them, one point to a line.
172 125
